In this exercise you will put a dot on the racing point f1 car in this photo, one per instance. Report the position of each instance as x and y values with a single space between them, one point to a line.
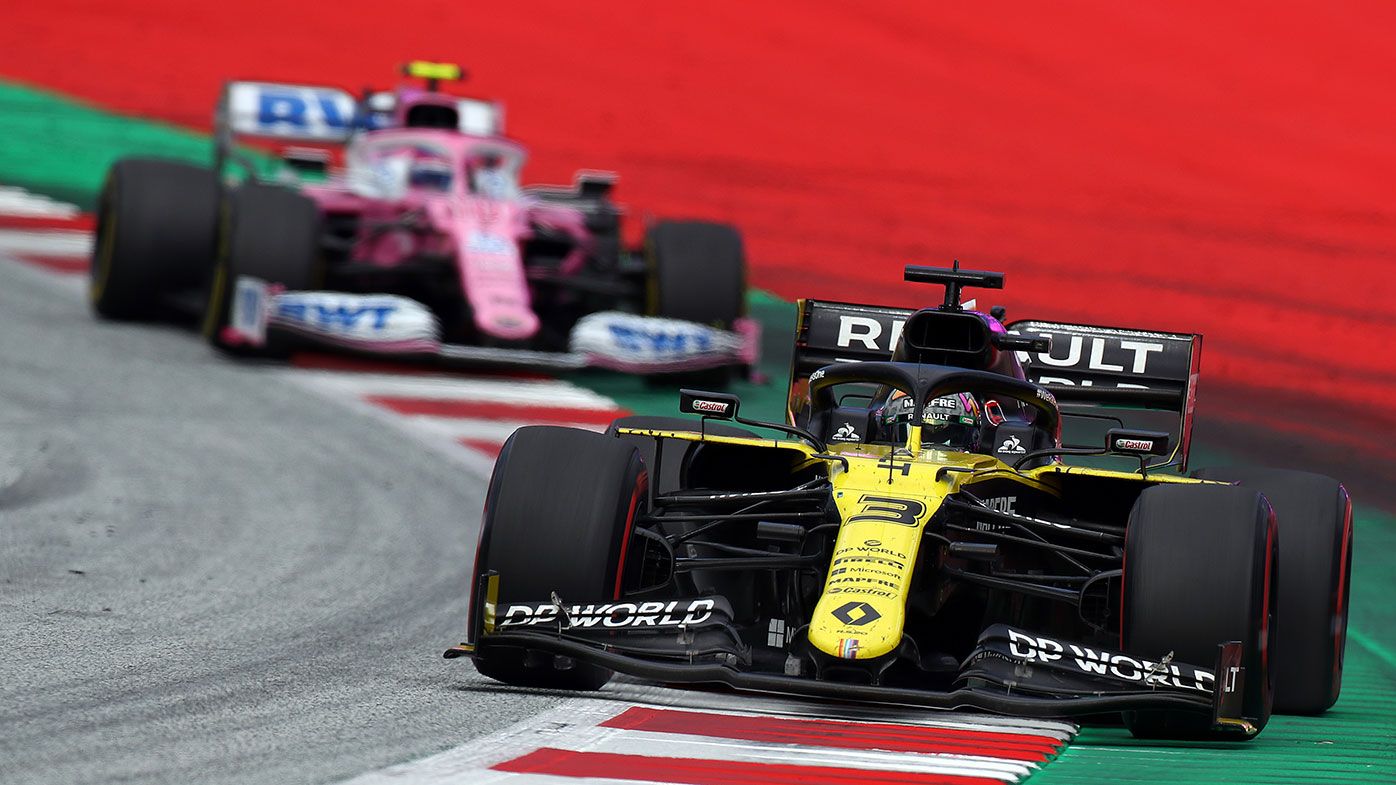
915 536
422 244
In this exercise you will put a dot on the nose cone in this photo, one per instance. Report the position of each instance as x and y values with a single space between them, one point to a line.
508 322
862 612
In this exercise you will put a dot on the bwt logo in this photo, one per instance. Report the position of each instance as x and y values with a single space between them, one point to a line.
337 317
304 109
659 341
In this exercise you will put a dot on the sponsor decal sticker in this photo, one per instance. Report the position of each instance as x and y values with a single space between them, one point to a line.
845 433
612 615
1134 444
1003 504
848 648
1098 662
490 244
903 512
1012 446
716 407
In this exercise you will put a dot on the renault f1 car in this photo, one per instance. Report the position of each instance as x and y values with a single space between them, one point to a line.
423 243
915 535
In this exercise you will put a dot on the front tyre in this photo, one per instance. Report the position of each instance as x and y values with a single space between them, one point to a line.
1315 518
1199 570
270 233
558 516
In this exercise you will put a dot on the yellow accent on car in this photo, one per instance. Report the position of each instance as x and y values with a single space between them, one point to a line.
423 69
885 496
213 310
491 602
98 283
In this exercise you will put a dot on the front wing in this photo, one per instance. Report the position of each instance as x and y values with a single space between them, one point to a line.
385 324
1011 671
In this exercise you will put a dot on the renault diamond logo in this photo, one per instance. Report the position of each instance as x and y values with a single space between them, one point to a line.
856 614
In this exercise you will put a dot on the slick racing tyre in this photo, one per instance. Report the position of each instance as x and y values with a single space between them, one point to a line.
156 227
697 272
558 516
1199 570
676 452
1315 519
268 232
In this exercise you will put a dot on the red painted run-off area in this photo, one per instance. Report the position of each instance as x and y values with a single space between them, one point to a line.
891 737
1223 167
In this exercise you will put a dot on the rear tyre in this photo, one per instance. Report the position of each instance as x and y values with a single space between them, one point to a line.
557 518
270 233
1199 571
697 272
1315 518
156 227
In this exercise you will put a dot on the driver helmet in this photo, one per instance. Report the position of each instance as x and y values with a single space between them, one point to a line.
951 421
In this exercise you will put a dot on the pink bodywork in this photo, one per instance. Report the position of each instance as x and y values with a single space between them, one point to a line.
485 235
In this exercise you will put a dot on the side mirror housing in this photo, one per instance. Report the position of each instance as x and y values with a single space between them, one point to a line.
719 406
1123 441
1022 343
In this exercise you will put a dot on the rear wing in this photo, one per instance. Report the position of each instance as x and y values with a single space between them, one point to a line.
323 116
1088 368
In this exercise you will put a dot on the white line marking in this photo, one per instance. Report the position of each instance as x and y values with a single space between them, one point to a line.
524 392
634 742
639 692
487 430
17 201
46 243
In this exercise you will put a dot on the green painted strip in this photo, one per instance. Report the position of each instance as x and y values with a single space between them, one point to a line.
63 148
1376 649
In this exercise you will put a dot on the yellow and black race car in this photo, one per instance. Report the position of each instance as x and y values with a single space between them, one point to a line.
916 535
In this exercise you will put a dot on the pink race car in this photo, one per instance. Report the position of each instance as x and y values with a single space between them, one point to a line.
421 243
